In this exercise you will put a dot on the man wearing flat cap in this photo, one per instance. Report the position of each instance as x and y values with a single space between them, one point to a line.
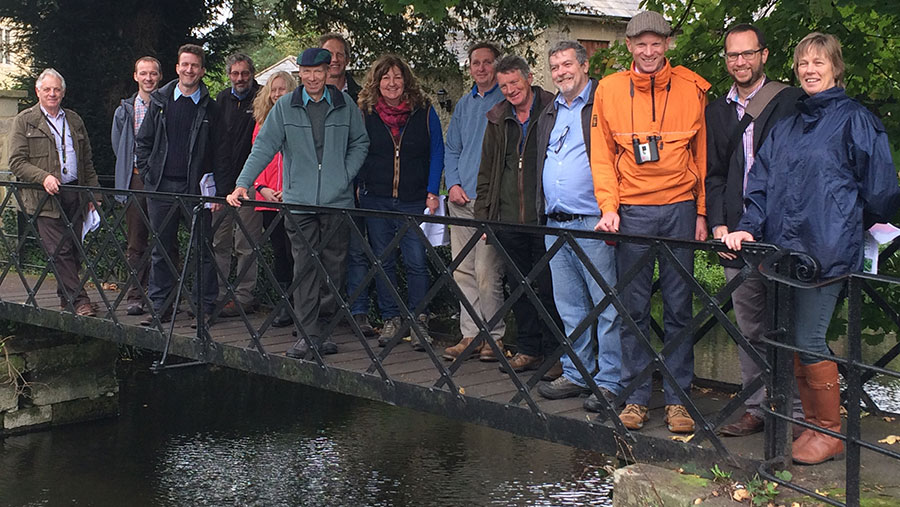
320 132
648 158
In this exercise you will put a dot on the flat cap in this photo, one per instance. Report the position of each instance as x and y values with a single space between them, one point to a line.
313 57
648 21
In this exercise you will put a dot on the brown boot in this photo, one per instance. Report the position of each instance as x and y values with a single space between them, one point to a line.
487 352
451 353
824 394
809 410
553 373
523 362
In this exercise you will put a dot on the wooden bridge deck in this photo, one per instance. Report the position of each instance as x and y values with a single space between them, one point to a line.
484 395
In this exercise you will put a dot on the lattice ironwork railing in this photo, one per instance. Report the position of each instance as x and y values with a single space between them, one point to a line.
24 258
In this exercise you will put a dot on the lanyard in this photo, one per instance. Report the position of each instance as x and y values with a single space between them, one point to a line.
62 136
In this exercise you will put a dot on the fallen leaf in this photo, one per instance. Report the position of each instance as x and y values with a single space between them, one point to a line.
795 504
890 440
715 493
740 495
698 501
681 470
109 286
823 493
684 439
462 390
889 419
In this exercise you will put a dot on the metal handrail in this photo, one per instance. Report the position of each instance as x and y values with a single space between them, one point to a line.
104 256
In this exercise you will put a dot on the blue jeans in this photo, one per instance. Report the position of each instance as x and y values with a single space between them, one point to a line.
675 221
381 233
576 293
357 267
812 314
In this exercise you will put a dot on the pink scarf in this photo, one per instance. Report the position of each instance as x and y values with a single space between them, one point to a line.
394 117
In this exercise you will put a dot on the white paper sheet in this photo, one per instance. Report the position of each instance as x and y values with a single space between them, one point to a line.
877 235
91 222
437 234
208 187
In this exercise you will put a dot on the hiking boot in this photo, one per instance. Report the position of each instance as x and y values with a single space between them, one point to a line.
135 308
362 320
390 328
634 416
283 317
561 388
415 339
553 373
451 353
229 310
524 362
487 353
678 419
592 404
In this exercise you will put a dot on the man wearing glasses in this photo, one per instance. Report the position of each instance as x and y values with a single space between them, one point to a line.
566 187
738 123
232 150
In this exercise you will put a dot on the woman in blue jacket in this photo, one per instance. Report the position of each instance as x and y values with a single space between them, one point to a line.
401 173
824 175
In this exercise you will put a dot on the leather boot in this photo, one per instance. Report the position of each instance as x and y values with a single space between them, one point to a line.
809 410
451 353
825 396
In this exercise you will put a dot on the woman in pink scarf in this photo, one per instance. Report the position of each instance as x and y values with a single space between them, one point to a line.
402 173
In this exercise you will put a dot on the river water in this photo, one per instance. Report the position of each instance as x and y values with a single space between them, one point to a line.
208 436
214 437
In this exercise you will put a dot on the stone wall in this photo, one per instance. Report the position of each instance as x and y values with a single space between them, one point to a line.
9 107
49 378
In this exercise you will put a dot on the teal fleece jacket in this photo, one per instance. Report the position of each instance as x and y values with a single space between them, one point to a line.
288 129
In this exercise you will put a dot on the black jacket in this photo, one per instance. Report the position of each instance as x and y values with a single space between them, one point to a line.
724 171
152 140
235 131
546 121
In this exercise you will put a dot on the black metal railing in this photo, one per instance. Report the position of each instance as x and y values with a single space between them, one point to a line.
24 258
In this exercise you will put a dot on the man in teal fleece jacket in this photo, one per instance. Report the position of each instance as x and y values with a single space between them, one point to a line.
320 132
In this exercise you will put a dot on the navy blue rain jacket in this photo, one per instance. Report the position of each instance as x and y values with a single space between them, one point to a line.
822 177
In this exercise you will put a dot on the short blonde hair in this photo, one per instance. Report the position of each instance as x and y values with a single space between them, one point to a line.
826 44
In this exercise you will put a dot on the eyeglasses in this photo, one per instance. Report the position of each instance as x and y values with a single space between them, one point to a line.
245 73
748 55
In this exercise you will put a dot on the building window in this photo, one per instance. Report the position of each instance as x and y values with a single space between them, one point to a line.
593 45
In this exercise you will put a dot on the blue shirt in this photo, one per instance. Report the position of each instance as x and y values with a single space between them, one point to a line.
462 156
306 98
65 145
568 184
240 96
194 96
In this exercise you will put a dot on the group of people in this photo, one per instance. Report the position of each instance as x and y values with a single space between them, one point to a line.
639 152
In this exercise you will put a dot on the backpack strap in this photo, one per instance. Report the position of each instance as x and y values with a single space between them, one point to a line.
754 109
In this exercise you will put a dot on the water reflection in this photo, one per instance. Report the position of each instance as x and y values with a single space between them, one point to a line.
715 357
216 437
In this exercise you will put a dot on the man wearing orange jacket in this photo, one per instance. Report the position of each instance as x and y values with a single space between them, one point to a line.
648 159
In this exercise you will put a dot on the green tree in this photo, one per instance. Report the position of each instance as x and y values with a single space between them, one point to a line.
868 30
94 43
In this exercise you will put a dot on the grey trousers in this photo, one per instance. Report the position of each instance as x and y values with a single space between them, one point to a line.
230 238
749 300
312 296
